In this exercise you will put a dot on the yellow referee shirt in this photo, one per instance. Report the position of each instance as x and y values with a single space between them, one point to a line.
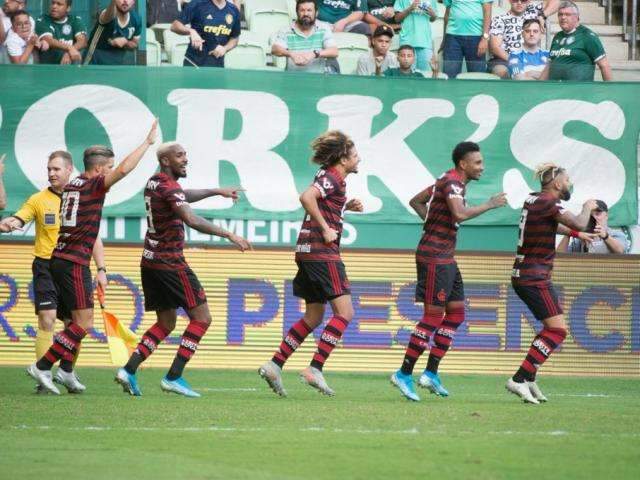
44 208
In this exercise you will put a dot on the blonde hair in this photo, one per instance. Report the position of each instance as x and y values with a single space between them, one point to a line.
547 172
331 147
165 149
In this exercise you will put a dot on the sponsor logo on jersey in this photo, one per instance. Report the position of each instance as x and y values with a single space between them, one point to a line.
148 254
49 218
78 182
153 184
66 29
217 30
304 248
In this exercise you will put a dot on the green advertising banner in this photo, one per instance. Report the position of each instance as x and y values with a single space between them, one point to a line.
254 128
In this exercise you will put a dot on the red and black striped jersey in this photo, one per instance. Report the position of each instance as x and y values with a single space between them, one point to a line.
80 214
310 246
537 239
164 241
438 242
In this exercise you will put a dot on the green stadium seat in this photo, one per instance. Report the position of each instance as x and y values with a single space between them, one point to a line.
169 40
348 58
154 52
251 6
268 21
247 55
477 76
351 40
177 52
158 29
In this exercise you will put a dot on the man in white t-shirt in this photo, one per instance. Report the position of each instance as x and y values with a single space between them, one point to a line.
22 42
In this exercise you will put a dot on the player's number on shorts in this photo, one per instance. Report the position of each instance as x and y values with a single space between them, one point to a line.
523 221
147 206
70 202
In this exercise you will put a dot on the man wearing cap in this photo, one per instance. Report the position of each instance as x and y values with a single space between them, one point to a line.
379 58
598 237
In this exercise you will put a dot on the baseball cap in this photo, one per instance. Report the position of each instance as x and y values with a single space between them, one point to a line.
602 206
383 30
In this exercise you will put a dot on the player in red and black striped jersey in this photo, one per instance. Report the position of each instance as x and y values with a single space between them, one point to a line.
321 276
543 216
80 214
442 206
167 280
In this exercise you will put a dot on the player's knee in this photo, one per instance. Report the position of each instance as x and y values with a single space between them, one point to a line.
46 322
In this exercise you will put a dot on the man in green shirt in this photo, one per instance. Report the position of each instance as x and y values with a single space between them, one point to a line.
575 50
344 15
65 34
114 40
406 59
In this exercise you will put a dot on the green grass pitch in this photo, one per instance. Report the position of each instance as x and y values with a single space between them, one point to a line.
241 430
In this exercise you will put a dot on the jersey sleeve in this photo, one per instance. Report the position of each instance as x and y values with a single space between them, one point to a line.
78 27
555 208
15 45
173 194
453 189
186 16
236 27
325 184
27 211
42 28
361 6
593 47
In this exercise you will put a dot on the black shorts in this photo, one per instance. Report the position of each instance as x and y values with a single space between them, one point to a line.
439 283
171 289
318 282
74 284
542 300
45 293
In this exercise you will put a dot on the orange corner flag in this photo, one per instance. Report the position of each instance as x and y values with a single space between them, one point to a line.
122 341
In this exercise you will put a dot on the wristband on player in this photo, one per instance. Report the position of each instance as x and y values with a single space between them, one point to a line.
574 233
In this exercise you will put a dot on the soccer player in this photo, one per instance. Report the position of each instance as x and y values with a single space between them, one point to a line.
44 208
531 276
80 214
321 274
442 206
167 280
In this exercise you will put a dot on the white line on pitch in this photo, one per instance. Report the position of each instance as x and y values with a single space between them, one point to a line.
223 389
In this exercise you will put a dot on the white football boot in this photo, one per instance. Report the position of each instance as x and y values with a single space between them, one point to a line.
521 390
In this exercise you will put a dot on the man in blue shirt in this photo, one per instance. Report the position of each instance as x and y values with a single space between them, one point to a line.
214 30
528 63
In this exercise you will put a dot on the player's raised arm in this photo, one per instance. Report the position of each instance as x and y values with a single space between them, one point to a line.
233 193
131 161
195 221
420 200
461 212
309 200
580 221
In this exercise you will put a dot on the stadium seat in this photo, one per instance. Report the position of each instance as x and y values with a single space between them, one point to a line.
268 21
177 52
171 39
159 29
154 52
477 76
348 58
291 4
247 55
351 40
251 6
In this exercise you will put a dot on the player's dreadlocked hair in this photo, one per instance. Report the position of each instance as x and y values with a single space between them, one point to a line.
330 147
547 172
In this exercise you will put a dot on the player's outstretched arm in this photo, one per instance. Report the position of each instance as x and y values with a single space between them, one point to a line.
580 221
461 212
420 200
309 200
131 161
195 221
193 196
108 13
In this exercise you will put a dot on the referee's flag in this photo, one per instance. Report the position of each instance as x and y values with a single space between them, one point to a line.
122 341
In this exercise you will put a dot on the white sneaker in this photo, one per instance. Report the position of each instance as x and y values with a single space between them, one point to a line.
43 377
272 374
536 392
314 378
69 380
521 390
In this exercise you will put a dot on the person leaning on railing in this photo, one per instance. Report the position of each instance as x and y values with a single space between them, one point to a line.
598 237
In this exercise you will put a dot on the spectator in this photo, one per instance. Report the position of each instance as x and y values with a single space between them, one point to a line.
344 15
381 12
506 34
307 43
528 63
21 39
406 61
379 58
575 50
466 27
415 17
64 34
9 7
598 237
3 194
114 39
214 30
